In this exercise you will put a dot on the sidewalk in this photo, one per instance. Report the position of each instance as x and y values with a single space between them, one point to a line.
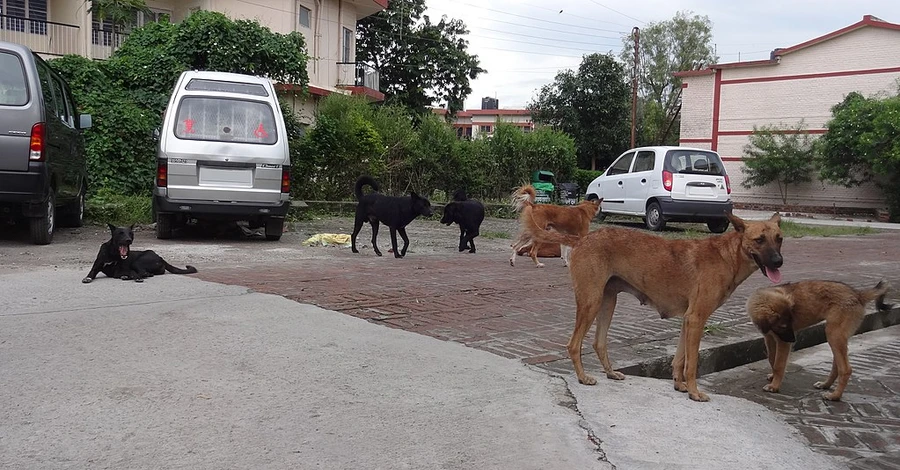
819 219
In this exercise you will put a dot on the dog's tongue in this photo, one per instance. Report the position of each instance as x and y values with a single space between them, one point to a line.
123 251
774 275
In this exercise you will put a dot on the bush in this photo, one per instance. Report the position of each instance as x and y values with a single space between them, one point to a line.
584 177
107 206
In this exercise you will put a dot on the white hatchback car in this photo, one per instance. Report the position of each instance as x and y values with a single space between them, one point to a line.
663 184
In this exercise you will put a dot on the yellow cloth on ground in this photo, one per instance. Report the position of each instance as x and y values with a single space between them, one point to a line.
326 239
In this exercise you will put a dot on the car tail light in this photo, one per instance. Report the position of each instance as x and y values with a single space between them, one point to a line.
37 143
727 184
162 173
667 180
285 179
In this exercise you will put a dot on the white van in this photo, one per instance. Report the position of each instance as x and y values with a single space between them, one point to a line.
223 154
662 184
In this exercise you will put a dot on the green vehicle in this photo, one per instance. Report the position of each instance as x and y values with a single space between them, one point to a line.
543 182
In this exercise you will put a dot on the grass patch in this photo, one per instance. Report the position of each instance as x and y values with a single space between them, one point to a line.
108 207
689 231
494 234
798 230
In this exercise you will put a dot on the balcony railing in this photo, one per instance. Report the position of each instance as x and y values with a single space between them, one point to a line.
104 42
43 37
358 74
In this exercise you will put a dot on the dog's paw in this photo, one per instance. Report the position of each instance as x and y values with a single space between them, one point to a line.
377 253
125 278
354 250
769 377
680 386
588 380
539 265
139 280
86 280
512 263
472 251
770 388
615 375
821 385
833 396
699 396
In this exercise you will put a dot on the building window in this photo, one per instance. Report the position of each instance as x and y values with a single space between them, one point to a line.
305 16
347 55
155 16
486 129
18 13
101 33
526 129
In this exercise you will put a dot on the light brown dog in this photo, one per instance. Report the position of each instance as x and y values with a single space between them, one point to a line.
782 310
546 250
571 220
680 278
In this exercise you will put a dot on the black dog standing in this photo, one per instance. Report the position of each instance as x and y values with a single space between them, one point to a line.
395 212
469 214
116 259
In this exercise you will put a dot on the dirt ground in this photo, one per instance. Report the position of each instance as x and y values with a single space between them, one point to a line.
226 246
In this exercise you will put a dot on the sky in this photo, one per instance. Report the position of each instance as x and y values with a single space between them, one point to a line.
523 43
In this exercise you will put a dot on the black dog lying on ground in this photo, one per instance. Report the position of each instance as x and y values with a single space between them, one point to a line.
116 259
395 212
469 214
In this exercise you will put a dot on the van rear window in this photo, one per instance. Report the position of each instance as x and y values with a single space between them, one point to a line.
694 162
13 88
199 84
225 120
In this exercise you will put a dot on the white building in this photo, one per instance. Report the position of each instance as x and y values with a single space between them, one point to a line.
480 123
721 104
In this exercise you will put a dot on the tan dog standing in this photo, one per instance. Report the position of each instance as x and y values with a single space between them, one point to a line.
571 220
680 278
781 311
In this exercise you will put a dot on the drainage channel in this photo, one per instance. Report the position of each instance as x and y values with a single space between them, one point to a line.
743 352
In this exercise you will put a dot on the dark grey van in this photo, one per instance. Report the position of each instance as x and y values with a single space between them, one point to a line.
43 173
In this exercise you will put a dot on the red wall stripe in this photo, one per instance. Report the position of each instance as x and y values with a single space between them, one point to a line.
845 73
785 131
696 141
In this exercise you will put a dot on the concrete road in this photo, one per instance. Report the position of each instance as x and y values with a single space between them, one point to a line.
181 373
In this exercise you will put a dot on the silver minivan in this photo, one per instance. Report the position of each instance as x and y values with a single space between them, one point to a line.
223 154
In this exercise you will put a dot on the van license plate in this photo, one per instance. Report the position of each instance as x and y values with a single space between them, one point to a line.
232 178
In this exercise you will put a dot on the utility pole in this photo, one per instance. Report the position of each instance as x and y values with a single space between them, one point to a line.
635 32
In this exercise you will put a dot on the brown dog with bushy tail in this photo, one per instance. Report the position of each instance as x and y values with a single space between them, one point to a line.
571 220
679 278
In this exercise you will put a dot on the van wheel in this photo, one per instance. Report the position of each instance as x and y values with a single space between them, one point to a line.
42 227
164 226
74 215
717 225
655 220
274 229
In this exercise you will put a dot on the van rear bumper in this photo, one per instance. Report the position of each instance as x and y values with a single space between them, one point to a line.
169 206
693 211
27 190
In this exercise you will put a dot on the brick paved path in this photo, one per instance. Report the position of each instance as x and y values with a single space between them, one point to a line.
528 313
864 428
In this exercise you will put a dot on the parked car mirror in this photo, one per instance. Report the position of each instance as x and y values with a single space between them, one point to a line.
156 133
84 121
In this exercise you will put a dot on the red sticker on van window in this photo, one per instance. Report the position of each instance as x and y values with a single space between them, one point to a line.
188 126
260 132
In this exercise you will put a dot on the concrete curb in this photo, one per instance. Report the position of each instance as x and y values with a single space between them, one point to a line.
743 352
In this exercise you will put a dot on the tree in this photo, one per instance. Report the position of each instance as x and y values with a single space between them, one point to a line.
420 62
666 47
863 144
781 156
121 13
591 105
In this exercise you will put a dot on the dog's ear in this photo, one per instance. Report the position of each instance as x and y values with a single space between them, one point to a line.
131 227
414 195
737 222
112 228
776 217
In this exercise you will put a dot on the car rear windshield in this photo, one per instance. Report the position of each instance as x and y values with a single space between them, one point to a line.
695 162
13 90
225 120
199 84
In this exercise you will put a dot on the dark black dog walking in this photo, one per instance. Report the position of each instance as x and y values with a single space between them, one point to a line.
395 212
116 259
469 214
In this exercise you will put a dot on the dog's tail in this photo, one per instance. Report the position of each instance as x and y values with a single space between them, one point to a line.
364 181
549 235
877 294
460 195
176 270
522 197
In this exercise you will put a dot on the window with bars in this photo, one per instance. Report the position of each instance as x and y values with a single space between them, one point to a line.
347 55
305 16
24 15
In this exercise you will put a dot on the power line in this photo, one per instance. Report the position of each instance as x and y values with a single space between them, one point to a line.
548 39
541 19
595 2
543 44
577 16
555 30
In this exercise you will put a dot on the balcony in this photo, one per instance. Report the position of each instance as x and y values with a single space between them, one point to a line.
43 37
360 79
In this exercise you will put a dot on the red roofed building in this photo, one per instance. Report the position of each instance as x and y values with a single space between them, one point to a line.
721 104
480 123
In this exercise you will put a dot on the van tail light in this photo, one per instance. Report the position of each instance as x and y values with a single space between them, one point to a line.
162 173
727 184
285 179
667 180
37 143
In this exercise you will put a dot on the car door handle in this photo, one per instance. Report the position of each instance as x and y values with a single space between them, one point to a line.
620 183
643 180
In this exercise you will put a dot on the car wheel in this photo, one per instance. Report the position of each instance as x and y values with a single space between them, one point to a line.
164 226
655 220
717 225
274 229
42 227
74 216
